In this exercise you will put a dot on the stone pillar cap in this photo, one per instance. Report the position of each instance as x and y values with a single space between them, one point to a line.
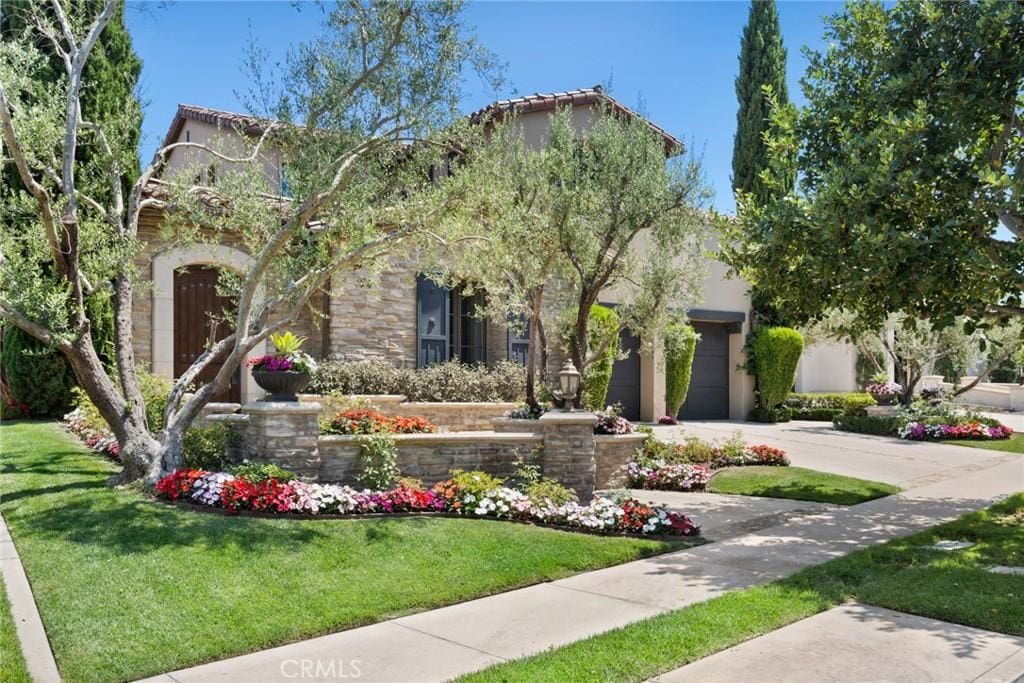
573 418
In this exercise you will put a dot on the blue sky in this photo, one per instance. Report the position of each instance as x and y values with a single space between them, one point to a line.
680 58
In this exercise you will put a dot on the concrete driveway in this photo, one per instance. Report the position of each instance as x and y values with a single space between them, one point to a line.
816 445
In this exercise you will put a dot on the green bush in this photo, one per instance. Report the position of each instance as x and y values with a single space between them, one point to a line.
37 375
155 391
205 448
775 353
680 344
824 407
769 415
602 331
257 472
445 382
869 424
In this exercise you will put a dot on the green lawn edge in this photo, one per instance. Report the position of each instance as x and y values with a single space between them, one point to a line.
12 661
1015 444
129 587
902 575
798 483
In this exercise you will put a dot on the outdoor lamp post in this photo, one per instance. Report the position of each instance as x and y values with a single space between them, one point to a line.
569 381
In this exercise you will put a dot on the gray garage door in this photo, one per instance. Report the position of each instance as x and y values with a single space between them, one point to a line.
624 387
708 398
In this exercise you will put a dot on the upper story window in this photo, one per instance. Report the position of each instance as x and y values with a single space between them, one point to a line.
286 187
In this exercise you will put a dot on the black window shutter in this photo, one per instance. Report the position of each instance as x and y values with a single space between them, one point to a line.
518 340
432 320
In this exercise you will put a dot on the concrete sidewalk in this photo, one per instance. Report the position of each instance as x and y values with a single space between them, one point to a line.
854 643
444 643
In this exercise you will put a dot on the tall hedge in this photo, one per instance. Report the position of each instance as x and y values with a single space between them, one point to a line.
602 328
776 352
37 375
680 345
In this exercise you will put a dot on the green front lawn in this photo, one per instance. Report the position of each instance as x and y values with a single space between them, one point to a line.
1015 444
12 662
129 587
798 483
902 575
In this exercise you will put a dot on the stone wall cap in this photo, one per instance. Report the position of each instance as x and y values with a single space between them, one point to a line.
465 404
281 407
635 436
573 418
443 437
227 417
222 407
381 398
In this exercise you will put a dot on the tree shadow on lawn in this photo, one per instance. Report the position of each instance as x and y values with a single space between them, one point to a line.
820 494
129 524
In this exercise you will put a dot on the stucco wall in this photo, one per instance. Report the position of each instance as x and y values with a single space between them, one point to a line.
827 367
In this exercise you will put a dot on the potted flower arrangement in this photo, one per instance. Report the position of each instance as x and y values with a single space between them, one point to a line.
883 391
284 373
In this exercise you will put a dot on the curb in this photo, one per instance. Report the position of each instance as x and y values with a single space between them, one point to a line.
35 646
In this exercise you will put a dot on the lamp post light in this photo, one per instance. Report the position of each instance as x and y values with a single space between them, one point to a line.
569 381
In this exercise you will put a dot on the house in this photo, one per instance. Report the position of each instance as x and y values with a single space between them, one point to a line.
407 319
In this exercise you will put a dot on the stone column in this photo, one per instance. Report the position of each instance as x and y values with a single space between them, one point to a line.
569 451
285 434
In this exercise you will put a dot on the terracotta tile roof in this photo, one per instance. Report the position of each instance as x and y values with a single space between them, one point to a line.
570 98
248 124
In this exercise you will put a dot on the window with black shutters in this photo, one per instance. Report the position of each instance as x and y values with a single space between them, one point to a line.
448 326
518 339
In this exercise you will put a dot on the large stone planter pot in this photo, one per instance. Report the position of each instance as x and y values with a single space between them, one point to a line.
282 385
886 400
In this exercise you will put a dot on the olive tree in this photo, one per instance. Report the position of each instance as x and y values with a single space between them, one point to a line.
380 75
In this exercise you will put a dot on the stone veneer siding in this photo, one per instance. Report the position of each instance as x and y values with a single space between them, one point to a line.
612 453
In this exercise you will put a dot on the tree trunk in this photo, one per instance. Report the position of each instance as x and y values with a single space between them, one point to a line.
139 452
531 353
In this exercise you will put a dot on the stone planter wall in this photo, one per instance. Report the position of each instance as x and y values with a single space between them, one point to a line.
452 417
563 444
612 453
430 457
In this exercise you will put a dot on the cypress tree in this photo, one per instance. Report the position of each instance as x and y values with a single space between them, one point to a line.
762 62
108 98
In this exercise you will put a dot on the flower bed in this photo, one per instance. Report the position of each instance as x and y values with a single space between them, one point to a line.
367 421
689 466
234 494
974 430
99 440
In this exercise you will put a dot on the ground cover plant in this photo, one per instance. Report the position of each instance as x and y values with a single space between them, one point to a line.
903 574
798 483
369 421
925 419
689 466
129 587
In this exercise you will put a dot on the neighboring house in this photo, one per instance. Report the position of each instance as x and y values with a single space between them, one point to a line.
407 319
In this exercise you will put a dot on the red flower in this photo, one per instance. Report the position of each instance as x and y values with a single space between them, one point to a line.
178 483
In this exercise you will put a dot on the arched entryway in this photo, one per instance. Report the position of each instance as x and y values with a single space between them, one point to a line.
184 295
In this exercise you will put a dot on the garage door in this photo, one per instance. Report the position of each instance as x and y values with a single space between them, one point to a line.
624 387
708 398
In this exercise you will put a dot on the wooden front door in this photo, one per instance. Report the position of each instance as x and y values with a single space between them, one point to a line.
197 310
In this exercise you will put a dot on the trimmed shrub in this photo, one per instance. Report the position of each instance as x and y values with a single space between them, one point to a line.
769 415
776 352
869 424
38 376
602 329
824 407
444 382
259 472
680 345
